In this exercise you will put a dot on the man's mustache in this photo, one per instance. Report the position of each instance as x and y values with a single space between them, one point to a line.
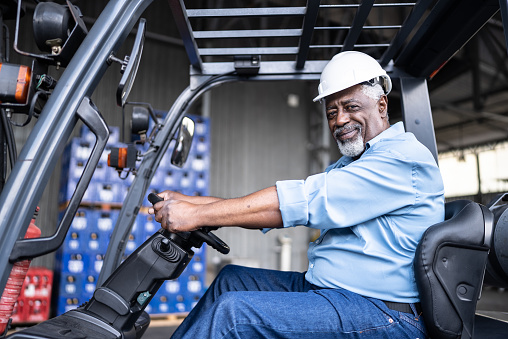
345 129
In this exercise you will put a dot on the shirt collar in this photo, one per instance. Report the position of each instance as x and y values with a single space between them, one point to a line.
391 132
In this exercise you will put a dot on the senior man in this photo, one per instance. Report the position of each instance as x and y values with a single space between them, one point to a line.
371 206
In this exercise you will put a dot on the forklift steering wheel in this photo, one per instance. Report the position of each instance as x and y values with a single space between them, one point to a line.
204 234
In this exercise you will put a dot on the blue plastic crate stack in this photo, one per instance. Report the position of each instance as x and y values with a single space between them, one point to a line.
79 260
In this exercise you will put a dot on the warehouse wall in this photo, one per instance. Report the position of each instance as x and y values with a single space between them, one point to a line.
257 139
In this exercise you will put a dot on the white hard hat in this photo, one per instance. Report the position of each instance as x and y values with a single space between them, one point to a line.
351 68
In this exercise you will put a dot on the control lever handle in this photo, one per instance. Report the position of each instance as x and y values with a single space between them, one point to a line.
154 198
202 234
165 244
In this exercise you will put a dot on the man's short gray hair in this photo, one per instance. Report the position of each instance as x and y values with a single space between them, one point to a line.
373 91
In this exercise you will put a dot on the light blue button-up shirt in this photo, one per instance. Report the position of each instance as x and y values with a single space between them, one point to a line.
372 213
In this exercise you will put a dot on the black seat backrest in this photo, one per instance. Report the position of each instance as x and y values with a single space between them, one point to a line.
450 264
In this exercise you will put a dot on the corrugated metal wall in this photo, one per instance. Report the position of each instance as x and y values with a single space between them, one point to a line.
256 137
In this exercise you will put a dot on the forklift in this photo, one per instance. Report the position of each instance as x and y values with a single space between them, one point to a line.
472 234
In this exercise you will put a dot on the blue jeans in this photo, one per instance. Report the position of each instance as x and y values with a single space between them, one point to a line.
257 303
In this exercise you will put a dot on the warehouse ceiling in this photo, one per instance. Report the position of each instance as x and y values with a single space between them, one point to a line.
458 45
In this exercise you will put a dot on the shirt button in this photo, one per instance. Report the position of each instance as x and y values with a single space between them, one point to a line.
318 241
390 321
311 265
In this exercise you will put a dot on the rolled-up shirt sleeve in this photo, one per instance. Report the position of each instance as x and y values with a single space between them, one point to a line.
293 202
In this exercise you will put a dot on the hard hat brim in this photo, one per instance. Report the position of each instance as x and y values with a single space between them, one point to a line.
386 85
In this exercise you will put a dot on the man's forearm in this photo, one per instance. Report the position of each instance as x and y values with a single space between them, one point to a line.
200 200
256 210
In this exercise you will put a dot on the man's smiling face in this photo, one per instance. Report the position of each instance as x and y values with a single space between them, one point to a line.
355 118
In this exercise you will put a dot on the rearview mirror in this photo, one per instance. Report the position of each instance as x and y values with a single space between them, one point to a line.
183 142
130 65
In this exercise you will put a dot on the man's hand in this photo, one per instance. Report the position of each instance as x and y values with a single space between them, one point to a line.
196 200
176 215
172 195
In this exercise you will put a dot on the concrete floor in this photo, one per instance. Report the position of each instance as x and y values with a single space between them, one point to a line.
161 328
493 300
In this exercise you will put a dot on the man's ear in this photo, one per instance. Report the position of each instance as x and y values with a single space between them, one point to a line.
383 106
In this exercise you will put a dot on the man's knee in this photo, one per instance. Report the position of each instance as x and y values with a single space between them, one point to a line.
231 304
229 272
230 269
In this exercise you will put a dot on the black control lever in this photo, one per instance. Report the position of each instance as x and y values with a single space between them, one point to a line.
165 244
203 234
154 198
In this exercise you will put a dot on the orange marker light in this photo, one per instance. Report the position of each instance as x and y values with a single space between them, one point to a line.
122 157
14 83
23 84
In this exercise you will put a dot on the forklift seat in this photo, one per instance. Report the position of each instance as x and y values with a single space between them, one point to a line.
449 264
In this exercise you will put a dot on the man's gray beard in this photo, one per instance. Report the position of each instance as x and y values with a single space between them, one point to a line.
351 148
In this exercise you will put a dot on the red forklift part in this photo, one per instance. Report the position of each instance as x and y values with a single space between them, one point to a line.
14 83
15 282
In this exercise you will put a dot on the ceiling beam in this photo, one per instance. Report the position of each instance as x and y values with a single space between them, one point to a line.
309 22
358 22
185 29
